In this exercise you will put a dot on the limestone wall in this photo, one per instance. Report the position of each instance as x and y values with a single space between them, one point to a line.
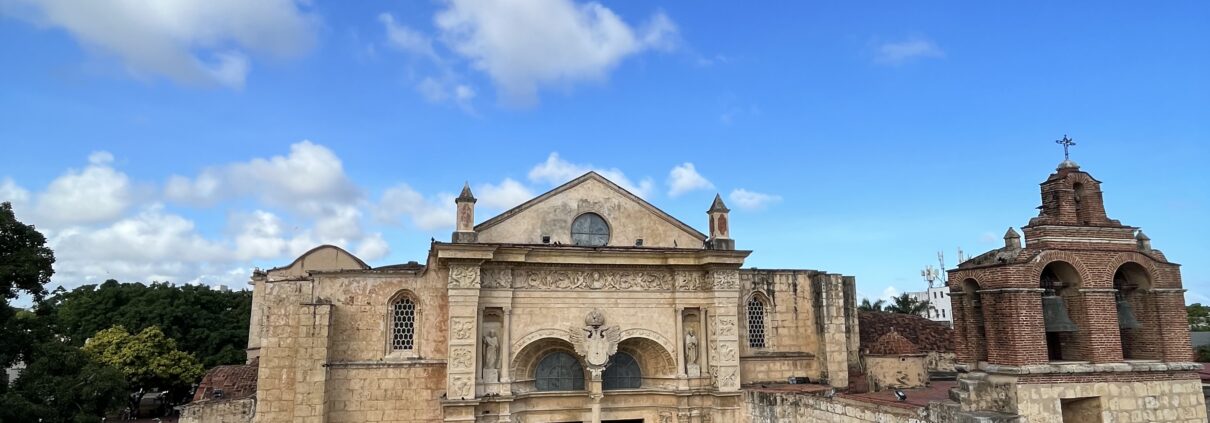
386 393
896 371
232 411
768 407
791 335
1155 401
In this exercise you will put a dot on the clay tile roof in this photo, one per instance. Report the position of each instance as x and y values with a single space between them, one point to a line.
236 381
924 334
892 343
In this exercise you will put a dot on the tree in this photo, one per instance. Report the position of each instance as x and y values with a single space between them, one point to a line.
907 304
210 324
25 261
875 306
1199 317
149 360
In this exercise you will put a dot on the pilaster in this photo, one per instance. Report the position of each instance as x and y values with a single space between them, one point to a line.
724 330
463 287
311 373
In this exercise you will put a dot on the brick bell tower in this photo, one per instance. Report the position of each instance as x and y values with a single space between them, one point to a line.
1085 321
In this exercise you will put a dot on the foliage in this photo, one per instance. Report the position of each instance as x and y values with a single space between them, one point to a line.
25 261
907 304
210 324
1203 354
1199 317
149 360
866 305
60 383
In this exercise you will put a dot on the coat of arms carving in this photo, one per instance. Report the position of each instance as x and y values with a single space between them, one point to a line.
595 341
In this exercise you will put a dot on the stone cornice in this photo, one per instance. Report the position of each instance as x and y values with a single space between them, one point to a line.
564 255
1084 368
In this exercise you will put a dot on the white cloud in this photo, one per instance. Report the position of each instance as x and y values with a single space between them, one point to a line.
98 193
889 293
523 46
556 171
402 201
505 195
310 173
13 193
900 52
407 39
372 247
750 200
190 41
684 178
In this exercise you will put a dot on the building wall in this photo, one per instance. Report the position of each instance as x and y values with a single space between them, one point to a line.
228 411
1142 401
770 407
896 371
791 334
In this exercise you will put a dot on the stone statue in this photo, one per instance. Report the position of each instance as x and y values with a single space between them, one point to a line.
491 351
690 348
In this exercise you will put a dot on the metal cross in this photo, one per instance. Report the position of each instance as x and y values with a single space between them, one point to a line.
1067 143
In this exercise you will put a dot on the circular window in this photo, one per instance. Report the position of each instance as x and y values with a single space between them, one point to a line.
589 230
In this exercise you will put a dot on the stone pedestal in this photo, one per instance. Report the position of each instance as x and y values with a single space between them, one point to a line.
693 370
491 375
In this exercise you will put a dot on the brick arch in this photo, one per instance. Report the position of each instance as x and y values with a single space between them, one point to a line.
1047 257
1147 263
653 358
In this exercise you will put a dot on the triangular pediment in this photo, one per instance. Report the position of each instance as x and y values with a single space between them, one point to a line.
629 218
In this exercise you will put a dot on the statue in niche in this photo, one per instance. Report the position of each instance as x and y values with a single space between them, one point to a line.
690 348
491 351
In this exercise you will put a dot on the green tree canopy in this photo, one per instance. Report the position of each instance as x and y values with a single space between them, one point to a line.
907 304
60 383
149 360
25 261
1199 317
866 305
210 324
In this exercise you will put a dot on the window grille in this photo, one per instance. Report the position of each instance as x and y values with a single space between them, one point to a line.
559 371
622 373
403 324
756 323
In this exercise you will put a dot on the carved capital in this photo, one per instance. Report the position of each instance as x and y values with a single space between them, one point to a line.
464 276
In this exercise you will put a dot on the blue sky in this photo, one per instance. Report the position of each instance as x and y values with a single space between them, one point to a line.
192 141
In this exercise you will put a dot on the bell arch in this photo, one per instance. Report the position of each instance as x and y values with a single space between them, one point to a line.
976 326
1138 322
1060 282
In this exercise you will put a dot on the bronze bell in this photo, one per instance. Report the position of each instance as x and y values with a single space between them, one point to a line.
1126 319
1054 313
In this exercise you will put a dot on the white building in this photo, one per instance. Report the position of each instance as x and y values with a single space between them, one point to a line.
937 295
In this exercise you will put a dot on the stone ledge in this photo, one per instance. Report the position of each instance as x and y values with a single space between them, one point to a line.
1085 367
384 364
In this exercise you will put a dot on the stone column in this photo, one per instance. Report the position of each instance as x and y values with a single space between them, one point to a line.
463 344
1174 324
724 365
828 291
680 342
1017 336
506 350
1106 345
311 374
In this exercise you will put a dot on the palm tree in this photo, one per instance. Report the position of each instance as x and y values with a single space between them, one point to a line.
907 304
866 305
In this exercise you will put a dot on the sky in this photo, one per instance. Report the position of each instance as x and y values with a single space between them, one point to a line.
191 141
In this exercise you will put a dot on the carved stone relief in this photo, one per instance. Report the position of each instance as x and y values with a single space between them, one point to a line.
461 358
621 280
726 325
726 352
463 276
460 387
463 328
497 278
691 281
726 279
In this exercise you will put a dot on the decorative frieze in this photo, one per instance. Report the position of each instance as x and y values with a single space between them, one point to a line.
464 276
497 278
461 357
620 280
462 327
725 279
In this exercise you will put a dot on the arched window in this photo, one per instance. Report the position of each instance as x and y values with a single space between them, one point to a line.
756 323
403 324
1059 281
589 229
978 339
559 371
1139 340
622 373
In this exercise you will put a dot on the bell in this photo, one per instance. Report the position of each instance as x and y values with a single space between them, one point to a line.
1054 313
1126 318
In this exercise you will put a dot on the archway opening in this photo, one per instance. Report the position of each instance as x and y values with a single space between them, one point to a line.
559 371
1136 320
1060 282
978 336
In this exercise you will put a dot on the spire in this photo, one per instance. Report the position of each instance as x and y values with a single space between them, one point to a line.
720 228
1012 240
718 205
466 194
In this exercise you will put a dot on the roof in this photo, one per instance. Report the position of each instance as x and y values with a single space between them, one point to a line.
892 343
584 178
926 335
235 381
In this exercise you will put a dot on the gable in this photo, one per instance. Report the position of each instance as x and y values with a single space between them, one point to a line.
321 258
551 214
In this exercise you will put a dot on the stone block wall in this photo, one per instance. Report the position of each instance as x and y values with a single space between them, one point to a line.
386 393
771 407
227 411
1141 401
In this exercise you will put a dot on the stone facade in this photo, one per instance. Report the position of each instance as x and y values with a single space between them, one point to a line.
469 335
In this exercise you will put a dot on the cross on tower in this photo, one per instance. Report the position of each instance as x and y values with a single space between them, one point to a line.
1067 143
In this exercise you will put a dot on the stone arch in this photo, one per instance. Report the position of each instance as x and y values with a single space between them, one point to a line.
1060 277
1047 258
653 358
1132 282
526 359
976 323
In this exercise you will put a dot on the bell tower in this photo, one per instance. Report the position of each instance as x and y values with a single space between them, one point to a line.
720 226
1085 304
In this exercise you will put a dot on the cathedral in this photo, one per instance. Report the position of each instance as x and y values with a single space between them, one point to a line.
588 304
585 304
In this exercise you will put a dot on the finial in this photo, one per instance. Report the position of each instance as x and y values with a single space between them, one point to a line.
1012 240
466 193
1144 242
718 205
1067 143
